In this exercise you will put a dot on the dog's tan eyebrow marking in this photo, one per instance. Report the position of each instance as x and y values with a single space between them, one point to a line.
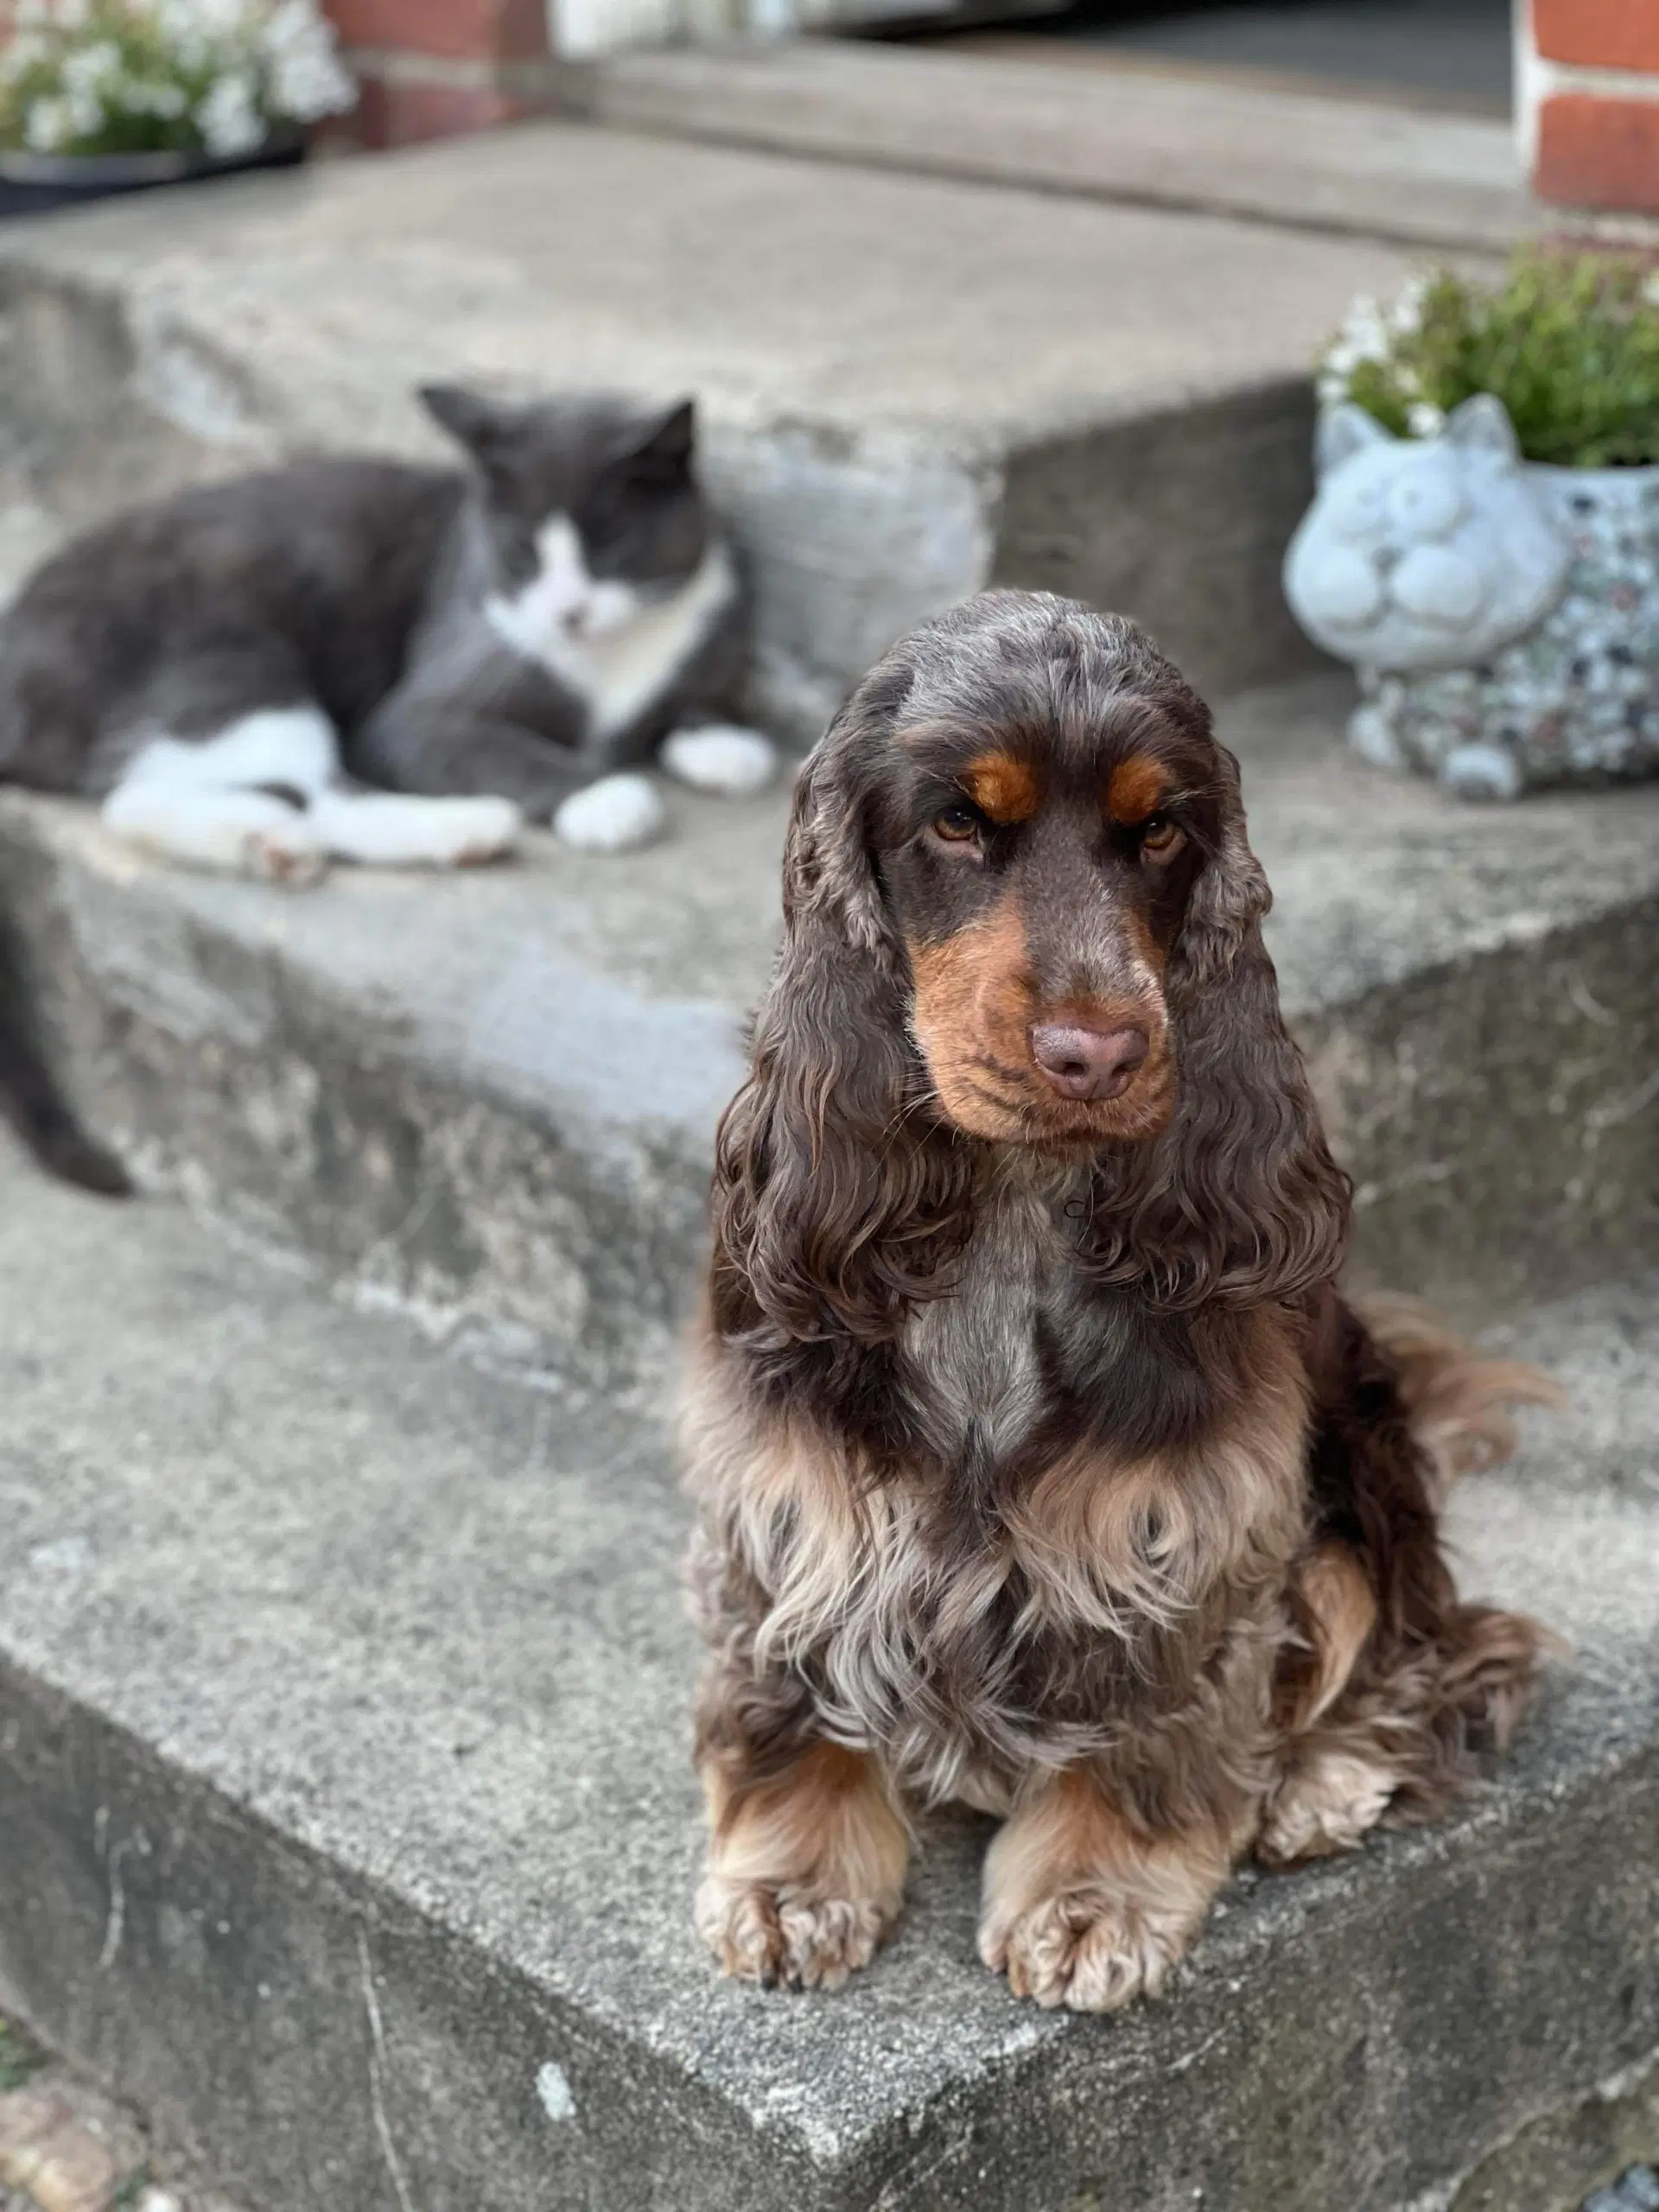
1002 787
1137 787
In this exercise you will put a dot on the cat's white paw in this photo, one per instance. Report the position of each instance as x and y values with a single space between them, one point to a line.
288 852
397 829
612 815
722 758
235 832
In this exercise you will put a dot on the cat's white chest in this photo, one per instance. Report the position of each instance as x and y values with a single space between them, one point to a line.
617 648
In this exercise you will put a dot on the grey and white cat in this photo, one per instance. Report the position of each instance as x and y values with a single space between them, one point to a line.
227 670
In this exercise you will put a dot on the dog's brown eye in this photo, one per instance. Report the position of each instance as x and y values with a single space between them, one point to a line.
956 825
1160 837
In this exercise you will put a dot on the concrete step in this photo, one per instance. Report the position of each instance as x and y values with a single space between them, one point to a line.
345 1819
490 1100
1091 123
910 386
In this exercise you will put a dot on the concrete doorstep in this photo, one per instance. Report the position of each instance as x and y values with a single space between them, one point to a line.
1090 125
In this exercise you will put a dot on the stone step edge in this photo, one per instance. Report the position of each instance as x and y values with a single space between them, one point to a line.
567 1247
376 1969
115 392
116 1979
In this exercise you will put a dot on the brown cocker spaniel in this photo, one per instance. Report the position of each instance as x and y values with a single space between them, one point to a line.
1041 1464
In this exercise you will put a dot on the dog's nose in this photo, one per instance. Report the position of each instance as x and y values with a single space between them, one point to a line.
1088 1063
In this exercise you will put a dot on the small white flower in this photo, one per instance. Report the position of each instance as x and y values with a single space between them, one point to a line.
1651 289
1365 330
304 78
229 118
86 113
1407 315
90 67
46 127
1424 419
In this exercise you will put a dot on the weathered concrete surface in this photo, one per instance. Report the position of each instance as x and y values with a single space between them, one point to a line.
491 1099
1086 122
1554 2162
345 1815
908 383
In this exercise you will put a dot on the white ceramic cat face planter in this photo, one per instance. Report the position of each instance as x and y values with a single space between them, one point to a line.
1424 553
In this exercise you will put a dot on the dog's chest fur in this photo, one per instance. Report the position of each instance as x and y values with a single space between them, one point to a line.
1016 1599
973 1363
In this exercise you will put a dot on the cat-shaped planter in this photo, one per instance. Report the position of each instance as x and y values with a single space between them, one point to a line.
1503 615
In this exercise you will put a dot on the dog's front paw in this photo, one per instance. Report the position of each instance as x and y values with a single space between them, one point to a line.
765 1934
1087 1954
1325 1803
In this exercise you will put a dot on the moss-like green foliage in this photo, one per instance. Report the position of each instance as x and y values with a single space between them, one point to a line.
1568 342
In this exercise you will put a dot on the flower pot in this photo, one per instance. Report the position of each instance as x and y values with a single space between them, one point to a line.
31 184
1502 616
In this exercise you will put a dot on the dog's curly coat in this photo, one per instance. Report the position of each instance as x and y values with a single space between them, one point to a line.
1041 1464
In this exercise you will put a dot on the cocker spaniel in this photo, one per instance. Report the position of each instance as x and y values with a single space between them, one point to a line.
1041 1464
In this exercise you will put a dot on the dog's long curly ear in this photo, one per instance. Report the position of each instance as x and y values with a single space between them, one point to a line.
834 1205
1240 1199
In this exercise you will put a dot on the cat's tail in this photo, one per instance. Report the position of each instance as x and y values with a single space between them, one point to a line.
29 1101
1457 1401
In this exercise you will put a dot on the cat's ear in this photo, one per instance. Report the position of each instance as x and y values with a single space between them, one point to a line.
474 421
663 441
1483 425
1344 430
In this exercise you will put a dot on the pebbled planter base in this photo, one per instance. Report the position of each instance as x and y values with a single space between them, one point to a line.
1503 617
1575 702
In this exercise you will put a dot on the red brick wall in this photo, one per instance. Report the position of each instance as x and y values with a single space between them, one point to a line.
428 68
1589 102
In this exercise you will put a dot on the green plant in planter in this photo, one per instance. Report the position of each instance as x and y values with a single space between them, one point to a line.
206 77
1568 342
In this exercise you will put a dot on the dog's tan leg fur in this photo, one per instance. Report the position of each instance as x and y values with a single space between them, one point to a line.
805 1872
1338 1781
1078 1910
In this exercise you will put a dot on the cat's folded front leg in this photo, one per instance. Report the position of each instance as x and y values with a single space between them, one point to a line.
442 755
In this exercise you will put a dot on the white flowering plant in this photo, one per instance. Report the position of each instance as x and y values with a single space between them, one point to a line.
208 77
1568 342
